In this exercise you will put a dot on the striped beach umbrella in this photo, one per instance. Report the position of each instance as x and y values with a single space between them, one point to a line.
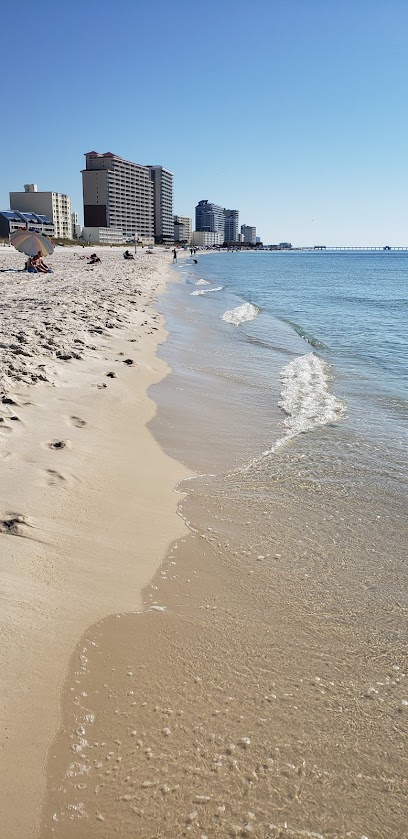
28 242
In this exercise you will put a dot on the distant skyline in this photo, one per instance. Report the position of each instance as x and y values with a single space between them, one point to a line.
291 111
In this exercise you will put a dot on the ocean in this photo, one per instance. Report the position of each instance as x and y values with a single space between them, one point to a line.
287 396
290 376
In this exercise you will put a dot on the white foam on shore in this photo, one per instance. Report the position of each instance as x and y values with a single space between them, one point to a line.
203 282
204 291
306 401
243 313
306 398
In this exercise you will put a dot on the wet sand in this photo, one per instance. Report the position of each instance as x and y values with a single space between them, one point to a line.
243 709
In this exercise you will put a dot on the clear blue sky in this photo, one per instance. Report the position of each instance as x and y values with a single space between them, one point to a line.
292 111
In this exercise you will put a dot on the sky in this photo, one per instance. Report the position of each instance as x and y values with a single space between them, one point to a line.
294 112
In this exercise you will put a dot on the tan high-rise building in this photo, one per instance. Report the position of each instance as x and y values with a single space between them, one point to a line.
249 234
119 194
182 229
162 181
55 205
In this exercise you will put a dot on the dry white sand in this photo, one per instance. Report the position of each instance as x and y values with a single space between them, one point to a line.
87 501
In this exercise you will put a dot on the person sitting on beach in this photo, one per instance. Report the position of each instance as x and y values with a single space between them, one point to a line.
93 259
29 266
38 263
128 255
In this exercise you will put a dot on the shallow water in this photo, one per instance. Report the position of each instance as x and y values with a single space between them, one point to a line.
288 396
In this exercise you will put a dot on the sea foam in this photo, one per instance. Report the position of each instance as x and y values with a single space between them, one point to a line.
204 291
203 282
306 398
245 312
306 401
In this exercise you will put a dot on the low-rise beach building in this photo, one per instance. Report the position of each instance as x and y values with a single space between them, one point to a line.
12 220
54 205
103 236
206 238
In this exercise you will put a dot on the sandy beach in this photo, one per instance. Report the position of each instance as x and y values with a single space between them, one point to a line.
87 501
178 659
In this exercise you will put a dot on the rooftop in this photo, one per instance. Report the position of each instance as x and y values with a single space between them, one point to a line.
15 215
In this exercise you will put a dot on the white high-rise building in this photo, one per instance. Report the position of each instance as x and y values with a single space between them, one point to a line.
55 205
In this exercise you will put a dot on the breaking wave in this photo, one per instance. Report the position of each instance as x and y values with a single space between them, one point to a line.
306 397
204 291
314 342
243 313
306 400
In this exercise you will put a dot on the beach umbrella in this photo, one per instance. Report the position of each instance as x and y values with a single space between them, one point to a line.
28 242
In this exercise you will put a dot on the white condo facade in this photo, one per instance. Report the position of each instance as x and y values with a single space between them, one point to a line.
103 236
207 238
55 205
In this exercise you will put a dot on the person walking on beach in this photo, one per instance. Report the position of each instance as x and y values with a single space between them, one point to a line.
174 255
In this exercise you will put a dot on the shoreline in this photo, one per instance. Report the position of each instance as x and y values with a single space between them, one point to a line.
260 699
83 480
248 695
242 709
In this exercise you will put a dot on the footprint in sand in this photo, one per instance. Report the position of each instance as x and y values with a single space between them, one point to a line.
78 422
8 400
15 524
59 444
54 477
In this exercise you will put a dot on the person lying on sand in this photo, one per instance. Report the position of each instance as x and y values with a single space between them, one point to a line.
128 255
93 259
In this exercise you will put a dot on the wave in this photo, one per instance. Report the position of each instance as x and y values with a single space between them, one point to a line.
203 282
243 313
206 291
306 400
314 342
268 345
